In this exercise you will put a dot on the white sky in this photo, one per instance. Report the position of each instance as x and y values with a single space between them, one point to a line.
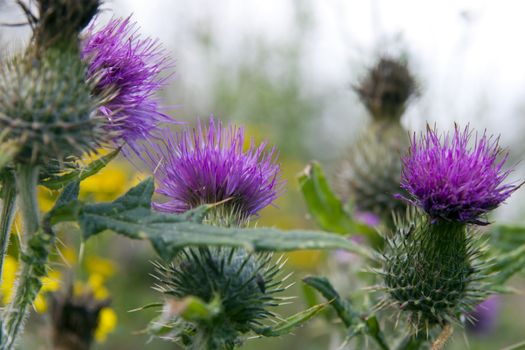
469 53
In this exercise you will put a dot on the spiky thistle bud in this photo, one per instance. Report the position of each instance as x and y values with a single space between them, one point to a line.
433 266
386 89
370 173
46 106
209 165
432 272
243 285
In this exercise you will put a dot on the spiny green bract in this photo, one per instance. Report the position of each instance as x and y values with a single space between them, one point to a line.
432 271
245 285
370 174
46 106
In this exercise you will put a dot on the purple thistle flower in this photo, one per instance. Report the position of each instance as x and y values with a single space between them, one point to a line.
208 165
484 318
122 62
450 180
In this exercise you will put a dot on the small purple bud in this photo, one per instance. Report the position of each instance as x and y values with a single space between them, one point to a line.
485 317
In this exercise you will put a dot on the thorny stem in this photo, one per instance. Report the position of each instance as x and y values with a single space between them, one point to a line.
8 213
443 337
34 257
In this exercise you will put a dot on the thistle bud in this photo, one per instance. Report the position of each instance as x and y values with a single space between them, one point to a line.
243 285
432 271
46 106
386 89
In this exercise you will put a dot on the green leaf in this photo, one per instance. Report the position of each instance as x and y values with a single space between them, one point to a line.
373 329
343 307
508 264
193 308
289 324
147 306
327 209
351 319
323 204
131 216
506 237
67 205
80 174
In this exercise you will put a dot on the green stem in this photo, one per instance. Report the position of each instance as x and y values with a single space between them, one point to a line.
33 257
6 220
27 179
412 342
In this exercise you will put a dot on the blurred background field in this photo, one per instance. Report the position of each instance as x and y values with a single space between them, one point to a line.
284 69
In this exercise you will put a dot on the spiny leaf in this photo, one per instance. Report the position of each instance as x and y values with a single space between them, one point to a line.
66 207
289 324
131 216
80 174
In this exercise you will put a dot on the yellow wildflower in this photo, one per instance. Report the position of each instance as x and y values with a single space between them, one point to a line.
96 283
51 282
107 322
97 265
8 279
40 303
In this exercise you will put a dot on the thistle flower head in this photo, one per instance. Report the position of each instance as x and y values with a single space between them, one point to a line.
453 181
386 89
208 165
129 66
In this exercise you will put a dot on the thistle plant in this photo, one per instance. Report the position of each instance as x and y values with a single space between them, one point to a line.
79 86
50 115
209 165
369 174
435 266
